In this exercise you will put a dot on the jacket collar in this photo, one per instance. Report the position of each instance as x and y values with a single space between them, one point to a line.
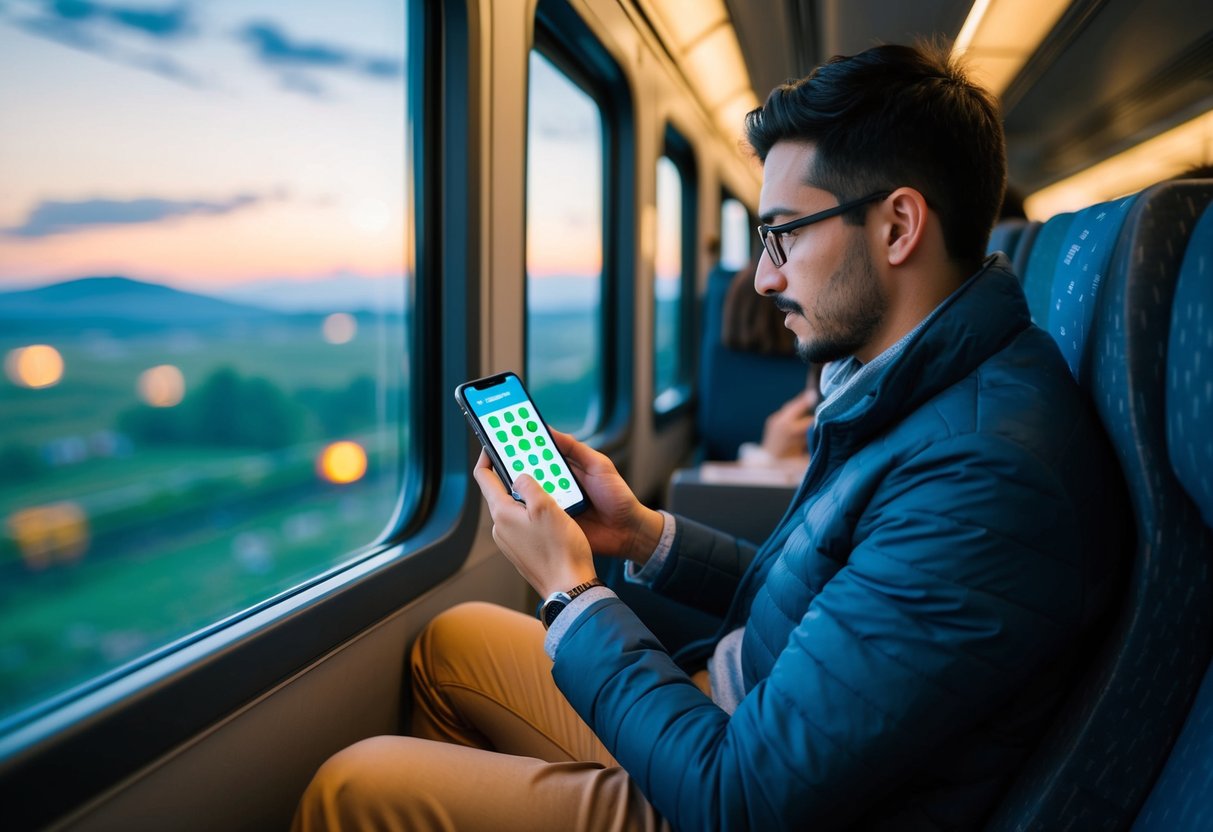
972 324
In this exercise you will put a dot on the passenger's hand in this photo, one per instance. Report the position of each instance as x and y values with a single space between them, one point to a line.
616 523
540 539
784 433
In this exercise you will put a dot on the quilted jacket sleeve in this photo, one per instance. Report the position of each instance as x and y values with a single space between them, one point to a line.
704 567
936 620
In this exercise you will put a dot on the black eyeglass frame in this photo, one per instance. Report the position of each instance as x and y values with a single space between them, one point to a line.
770 235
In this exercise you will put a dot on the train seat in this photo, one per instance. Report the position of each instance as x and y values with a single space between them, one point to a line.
737 390
1006 237
1099 759
1180 798
1082 263
1037 271
1023 251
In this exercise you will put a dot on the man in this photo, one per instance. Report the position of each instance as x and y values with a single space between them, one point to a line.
893 652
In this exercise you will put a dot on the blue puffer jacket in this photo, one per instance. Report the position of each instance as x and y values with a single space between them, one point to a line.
913 621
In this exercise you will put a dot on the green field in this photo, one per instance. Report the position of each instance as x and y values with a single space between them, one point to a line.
179 534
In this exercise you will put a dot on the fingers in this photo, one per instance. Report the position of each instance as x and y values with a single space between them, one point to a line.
532 494
580 454
491 486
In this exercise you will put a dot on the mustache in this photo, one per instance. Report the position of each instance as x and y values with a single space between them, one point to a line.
786 304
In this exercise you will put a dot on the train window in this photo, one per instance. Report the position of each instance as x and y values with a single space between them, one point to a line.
205 267
564 245
674 273
667 285
736 233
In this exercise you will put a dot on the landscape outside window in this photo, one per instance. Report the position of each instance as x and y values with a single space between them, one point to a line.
667 311
204 274
564 249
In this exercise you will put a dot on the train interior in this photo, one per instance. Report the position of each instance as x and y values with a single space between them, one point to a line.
1108 110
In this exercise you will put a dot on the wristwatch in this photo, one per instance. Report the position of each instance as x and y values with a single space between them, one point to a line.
555 603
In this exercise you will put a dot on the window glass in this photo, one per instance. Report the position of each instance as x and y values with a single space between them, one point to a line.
735 235
564 231
668 280
204 295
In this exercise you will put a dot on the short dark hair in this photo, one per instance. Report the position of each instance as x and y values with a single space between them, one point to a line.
896 116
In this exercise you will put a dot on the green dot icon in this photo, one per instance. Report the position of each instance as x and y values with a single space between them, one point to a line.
548 487
518 466
494 422
502 436
524 444
540 441
532 427
538 474
524 413
509 417
509 450
564 484
517 431
555 469
534 460
547 453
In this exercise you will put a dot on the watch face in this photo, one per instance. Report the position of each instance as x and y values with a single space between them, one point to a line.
552 608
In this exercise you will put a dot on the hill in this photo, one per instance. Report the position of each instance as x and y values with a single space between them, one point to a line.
118 302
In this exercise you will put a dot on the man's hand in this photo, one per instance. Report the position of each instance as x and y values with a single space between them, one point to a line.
540 539
784 433
616 523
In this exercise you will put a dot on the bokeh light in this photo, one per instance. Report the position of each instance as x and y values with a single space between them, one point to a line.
161 386
57 532
339 328
342 462
35 366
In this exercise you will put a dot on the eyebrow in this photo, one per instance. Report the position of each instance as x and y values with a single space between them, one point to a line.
767 216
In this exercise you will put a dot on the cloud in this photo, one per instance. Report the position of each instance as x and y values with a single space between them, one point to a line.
66 217
273 48
98 28
166 23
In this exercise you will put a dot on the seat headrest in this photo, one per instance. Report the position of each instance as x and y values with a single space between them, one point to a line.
1082 262
1190 370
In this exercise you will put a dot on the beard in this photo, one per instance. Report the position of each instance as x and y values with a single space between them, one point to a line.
846 313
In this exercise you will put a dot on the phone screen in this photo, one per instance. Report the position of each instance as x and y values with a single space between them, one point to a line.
510 427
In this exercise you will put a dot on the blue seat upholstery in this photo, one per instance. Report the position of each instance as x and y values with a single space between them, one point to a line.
1023 250
1181 799
1099 759
738 390
1042 262
1083 260
1006 236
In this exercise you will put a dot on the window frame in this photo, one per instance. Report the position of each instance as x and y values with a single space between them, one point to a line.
567 42
679 150
49 764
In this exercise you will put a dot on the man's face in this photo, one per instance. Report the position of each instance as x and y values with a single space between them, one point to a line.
829 286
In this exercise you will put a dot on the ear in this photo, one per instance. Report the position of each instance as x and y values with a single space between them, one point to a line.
906 220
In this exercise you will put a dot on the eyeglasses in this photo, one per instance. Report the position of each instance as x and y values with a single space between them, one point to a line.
771 234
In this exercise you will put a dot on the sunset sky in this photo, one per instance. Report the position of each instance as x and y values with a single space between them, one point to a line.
206 145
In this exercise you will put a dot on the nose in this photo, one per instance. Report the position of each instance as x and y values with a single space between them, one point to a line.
768 279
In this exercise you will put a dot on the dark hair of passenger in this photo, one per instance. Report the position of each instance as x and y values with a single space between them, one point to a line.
895 116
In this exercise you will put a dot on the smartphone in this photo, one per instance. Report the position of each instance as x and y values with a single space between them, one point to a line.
516 438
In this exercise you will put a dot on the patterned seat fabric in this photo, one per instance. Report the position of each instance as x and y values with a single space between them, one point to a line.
1083 260
1041 263
1101 756
1180 799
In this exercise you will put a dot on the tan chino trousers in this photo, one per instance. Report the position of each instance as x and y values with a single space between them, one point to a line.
495 745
